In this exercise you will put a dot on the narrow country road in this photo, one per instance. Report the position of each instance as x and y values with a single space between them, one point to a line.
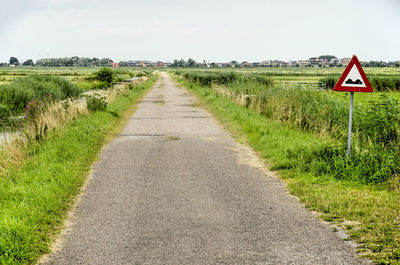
175 188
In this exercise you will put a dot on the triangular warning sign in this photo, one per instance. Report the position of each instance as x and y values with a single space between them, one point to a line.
353 78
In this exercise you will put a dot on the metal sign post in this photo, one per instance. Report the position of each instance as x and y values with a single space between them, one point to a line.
352 80
350 124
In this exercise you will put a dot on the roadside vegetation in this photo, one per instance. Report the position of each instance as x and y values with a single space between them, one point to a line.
44 165
302 134
376 155
28 89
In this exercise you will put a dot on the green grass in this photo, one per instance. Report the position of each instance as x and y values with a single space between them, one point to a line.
375 156
35 198
17 94
370 214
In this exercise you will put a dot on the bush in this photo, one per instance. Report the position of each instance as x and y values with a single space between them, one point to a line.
17 94
96 104
105 75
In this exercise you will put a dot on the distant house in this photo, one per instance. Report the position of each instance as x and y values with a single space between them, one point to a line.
115 64
302 63
346 61
313 61
334 62
275 63
284 64
266 63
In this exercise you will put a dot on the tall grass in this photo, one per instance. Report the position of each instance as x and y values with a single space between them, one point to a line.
16 95
375 157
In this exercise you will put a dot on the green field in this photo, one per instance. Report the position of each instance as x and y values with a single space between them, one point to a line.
73 74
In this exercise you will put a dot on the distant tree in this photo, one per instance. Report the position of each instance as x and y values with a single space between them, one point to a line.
327 57
123 63
191 62
179 63
106 62
234 63
28 63
182 63
96 61
14 61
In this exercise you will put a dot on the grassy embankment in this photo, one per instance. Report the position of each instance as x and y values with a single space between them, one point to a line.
310 160
36 193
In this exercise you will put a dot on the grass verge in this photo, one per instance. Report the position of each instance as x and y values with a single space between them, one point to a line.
371 215
35 198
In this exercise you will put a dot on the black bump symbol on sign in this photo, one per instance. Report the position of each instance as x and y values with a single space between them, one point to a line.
351 82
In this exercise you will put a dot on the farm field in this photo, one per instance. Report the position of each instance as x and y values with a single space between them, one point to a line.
310 74
302 133
73 74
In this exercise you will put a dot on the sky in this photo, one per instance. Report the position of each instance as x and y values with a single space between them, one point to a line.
214 30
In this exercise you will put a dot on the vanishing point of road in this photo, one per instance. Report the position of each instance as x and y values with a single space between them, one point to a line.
175 188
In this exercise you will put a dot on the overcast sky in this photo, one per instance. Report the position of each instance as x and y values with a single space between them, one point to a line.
216 30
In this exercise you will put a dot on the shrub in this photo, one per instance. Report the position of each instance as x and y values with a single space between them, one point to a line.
17 94
105 75
96 104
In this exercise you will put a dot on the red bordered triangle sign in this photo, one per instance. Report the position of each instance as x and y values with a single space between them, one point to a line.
353 78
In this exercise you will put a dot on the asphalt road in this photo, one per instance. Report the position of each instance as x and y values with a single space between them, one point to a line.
175 188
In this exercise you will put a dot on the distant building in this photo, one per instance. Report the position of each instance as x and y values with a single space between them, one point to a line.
115 64
323 62
284 64
266 63
313 61
346 61
302 63
334 62
275 63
